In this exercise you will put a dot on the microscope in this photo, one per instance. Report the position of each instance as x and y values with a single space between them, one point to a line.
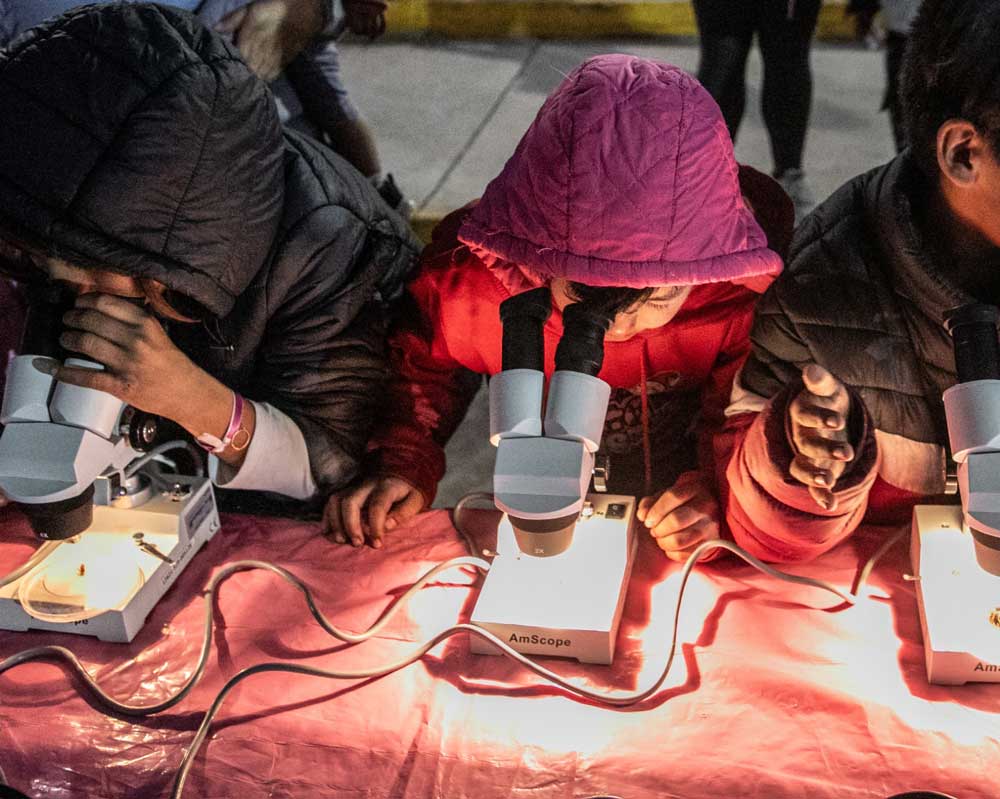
557 584
115 531
955 550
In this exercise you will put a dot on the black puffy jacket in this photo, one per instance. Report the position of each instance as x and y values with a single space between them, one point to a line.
134 139
863 296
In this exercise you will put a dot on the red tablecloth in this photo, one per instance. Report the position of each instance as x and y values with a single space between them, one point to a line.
769 699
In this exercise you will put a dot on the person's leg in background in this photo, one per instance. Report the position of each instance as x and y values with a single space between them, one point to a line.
725 30
785 35
895 45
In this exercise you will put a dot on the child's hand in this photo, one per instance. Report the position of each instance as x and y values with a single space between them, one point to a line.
682 517
818 424
376 506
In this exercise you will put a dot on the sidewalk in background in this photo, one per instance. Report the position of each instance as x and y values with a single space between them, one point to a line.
448 114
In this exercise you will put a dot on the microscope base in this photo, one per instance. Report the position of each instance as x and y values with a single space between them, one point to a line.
959 602
568 605
105 581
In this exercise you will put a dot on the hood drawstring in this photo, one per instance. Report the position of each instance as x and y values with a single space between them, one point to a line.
791 9
647 456
218 338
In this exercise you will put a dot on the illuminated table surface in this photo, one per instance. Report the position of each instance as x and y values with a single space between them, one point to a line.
768 699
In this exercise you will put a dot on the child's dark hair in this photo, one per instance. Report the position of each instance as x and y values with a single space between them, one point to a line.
951 70
611 300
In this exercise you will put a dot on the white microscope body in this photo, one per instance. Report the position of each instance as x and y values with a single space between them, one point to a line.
557 585
955 551
116 534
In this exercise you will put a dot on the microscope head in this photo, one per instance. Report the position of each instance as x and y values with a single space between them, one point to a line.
972 408
543 469
59 438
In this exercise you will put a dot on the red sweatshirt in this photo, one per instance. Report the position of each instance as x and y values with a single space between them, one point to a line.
673 382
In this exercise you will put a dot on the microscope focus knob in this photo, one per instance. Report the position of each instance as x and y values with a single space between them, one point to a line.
140 428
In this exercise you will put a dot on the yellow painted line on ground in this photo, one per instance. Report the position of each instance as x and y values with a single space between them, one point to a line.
565 19
423 222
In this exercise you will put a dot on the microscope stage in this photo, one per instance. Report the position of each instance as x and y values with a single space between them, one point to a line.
959 602
568 605
105 581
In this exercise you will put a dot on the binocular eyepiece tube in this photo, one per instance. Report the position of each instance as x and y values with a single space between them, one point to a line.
973 330
524 316
540 479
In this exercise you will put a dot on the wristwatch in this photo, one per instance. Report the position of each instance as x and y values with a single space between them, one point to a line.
236 436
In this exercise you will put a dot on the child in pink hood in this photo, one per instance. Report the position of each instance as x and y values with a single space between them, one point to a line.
623 194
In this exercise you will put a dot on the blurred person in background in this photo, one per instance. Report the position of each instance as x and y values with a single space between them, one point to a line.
784 31
897 18
290 44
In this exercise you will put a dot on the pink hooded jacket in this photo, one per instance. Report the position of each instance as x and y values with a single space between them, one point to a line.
625 178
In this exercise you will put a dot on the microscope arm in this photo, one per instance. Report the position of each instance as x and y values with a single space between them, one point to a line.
42 462
973 414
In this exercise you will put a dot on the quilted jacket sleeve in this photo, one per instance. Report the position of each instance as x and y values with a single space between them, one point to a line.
324 373
428 395
768 513
714 445
322 359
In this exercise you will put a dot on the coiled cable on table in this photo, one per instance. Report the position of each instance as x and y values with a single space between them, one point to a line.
615 700
61 653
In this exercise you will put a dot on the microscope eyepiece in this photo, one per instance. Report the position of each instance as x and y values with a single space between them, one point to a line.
581 348
523 317
973 329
